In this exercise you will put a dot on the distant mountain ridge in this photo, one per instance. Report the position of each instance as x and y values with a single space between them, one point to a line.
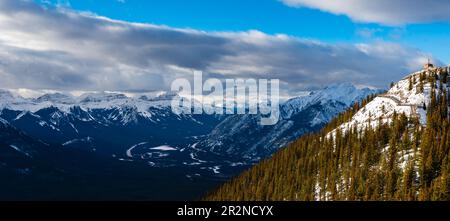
88 121
143 131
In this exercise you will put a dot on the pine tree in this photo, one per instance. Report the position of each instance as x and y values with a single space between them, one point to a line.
410 82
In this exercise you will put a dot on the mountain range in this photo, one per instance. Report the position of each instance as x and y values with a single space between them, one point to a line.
58 140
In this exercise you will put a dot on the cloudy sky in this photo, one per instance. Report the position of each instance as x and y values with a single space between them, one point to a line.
125 45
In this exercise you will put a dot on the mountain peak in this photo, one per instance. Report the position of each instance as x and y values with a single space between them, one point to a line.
162 96
346 93
101 96
345 85
408 96
55 97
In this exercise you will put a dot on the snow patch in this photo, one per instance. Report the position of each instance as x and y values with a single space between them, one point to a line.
163 148
20 151
129 154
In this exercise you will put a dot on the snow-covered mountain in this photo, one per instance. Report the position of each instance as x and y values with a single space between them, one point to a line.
142 131
127 107
132 128
408 96
240 136
345 93
109 124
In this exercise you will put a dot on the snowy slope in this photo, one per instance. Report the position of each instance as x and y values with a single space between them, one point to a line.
345 93
399 99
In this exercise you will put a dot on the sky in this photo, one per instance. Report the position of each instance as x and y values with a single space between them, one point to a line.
286 17
123 45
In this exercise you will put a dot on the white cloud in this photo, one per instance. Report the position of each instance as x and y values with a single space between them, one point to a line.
58 49
388 12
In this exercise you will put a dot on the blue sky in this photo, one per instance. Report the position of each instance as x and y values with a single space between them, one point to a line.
269 16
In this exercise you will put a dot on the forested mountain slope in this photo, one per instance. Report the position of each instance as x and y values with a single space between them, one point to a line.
392 147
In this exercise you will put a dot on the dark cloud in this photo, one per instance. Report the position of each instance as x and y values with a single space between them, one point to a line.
389 12
56 48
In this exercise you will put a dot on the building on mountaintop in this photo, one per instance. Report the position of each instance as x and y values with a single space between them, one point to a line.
428 65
